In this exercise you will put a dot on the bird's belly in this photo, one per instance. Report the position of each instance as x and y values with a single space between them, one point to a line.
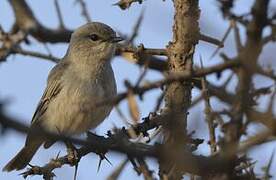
73 111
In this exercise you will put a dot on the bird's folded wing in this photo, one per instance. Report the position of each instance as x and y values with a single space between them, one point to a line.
53 88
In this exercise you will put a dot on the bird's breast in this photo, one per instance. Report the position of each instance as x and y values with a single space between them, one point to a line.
74 110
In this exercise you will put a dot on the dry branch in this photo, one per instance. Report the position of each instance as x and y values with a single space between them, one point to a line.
178 94
116 142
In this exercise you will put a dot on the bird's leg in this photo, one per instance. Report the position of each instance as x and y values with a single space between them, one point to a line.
72 153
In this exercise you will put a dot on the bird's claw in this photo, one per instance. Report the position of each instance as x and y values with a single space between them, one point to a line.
72 154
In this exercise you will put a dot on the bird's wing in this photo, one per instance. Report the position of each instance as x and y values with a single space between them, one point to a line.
53 88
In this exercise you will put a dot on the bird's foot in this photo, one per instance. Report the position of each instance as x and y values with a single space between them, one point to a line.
72 154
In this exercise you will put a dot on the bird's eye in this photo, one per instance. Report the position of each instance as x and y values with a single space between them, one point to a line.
94 37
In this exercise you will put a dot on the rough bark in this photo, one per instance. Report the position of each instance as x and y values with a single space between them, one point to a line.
178 94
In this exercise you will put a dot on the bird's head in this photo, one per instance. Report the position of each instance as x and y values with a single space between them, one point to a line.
95 40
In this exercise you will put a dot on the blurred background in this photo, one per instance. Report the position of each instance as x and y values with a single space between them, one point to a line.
23 78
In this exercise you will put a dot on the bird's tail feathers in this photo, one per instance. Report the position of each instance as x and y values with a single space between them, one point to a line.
22 159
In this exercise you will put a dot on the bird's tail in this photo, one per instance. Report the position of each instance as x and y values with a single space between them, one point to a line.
22 159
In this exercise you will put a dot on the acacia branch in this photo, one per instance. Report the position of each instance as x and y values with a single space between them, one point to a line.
35 54
174 77
84 10
26 21
248 56
178 93
125 4
117 142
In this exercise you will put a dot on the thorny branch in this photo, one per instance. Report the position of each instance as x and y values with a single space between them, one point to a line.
84 10
98 144
125 4
209 116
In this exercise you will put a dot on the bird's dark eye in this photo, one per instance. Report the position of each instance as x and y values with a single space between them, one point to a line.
94 37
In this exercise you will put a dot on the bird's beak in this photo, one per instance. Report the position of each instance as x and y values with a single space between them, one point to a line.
116 39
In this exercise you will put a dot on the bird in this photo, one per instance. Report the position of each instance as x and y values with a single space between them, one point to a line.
81 78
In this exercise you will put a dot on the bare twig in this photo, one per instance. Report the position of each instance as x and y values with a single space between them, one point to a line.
26 21
223 39
209 115
117 172
125 4
159 102
174 77
237 37
61 23
135 29
10 42
211 40
248 56
35 54
84 10
149 51
266 169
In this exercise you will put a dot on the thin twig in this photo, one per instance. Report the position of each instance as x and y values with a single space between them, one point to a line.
35 54
237 37
118 171
211 40
267 175
149 51
208 114
135 29
223 39
168 80
61 23
125 4
84 10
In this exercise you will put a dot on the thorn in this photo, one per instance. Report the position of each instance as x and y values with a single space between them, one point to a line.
102 157
76 171
107 160
201 61
31 165
99 165
223 40
148 140
24 174
57 155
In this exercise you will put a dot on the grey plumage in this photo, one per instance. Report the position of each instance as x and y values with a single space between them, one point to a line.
82 78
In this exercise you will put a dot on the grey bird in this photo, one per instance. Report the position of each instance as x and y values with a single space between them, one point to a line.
83 77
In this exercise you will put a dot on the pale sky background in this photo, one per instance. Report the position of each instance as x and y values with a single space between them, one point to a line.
23 79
